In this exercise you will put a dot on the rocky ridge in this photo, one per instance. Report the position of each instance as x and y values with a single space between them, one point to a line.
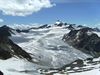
8 48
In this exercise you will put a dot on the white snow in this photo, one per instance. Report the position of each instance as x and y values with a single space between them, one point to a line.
92 72
47 48
98 33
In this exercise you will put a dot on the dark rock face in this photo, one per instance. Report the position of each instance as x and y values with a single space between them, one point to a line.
4 31
65 24
25 31
8 48
1 73
70 27
18 51
61 24
83 39
44 26
80 26
4 54
96 29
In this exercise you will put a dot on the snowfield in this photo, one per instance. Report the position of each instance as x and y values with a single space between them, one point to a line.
47 49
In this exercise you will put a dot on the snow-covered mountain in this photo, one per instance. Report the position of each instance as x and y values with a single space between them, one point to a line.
47 49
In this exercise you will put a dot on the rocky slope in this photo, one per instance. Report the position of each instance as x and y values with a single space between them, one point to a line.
85 40
8 48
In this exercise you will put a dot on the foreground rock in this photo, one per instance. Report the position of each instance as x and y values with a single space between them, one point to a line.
8 48
1 73
85 40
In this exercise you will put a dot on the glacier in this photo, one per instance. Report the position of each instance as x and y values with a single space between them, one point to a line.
47 49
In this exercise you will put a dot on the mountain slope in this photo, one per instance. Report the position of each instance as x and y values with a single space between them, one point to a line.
48 48
44 46
85 40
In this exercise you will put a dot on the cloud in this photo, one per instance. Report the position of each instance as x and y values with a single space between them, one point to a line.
1 20
23 7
